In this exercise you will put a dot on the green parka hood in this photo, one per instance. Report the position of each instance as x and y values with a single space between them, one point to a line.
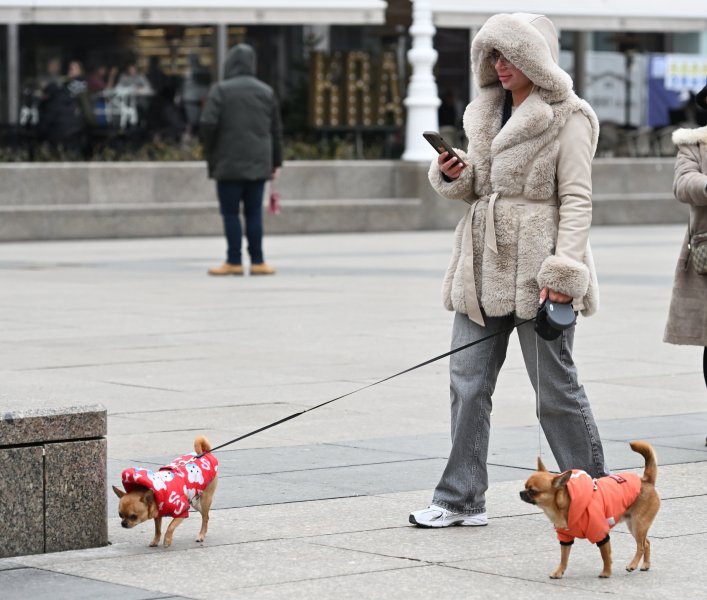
240 60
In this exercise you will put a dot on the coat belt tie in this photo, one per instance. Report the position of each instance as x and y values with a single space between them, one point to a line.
471 297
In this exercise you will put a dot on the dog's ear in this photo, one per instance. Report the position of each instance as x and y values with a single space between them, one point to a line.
541 466
561 480
149 497
118 492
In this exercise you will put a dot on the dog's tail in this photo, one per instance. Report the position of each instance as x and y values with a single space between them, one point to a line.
651 469
201 445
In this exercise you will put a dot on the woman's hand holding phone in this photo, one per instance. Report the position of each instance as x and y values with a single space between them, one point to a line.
449 165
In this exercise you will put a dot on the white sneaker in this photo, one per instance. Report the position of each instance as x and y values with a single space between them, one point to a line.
436 516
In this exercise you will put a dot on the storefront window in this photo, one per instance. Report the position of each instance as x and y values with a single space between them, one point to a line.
136 92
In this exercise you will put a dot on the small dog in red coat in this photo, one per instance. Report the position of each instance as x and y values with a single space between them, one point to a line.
582 507
189 480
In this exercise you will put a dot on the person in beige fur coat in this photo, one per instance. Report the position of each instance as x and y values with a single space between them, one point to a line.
524 238
687 319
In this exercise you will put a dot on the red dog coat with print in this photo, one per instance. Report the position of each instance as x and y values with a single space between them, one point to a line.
597 504
175 485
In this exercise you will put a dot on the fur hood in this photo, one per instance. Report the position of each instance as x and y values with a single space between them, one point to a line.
529 42
690 136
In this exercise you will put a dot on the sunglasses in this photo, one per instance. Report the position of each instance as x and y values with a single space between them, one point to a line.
497 56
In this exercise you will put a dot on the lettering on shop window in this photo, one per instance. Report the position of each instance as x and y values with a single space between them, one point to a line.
354 89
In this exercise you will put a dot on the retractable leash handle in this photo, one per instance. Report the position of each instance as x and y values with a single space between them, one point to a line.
553 318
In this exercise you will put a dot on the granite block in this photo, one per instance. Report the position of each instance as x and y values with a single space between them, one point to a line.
75 495
21 501
51 424
52 184
120 183
143 199
175 184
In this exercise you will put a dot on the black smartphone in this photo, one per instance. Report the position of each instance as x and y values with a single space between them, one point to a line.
441 145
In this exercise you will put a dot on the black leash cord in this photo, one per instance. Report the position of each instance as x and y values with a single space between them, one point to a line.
365 387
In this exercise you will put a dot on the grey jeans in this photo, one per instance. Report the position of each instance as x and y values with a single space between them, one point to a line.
565 414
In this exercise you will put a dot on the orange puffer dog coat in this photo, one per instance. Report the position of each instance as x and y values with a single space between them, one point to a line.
597 504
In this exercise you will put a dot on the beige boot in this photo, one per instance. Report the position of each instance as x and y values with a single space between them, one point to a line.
227 269
261 269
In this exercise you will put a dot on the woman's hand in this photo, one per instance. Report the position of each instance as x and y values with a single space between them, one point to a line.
450 167
554 296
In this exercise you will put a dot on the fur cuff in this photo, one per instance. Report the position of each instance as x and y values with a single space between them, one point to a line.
459 189
564 275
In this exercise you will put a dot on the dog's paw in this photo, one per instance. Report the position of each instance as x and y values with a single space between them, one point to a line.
200 539
645 568
604 575
630 568
557 575
154 543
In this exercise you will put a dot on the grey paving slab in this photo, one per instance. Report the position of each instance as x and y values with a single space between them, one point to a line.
299 458
649 426
22 584
232 567
275 489
369 479
445 545
435 445
694 442
618 455
612 400
8 563
421 582
284 521
676 568
681 517
683 480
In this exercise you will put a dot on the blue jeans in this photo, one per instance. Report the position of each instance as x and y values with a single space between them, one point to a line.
565 414
230 195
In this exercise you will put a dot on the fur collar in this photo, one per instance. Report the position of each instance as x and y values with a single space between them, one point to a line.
690 136
524 151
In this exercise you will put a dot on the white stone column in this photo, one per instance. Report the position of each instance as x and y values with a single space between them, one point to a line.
422 99
13 73
221 43
473 88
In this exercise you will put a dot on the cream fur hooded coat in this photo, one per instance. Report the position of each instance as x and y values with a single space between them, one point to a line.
540 165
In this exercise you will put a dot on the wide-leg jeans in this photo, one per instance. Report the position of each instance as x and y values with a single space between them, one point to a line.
564 412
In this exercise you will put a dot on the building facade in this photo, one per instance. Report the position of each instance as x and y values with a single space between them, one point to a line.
341 69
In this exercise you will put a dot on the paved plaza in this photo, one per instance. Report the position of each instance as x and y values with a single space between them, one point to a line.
317 507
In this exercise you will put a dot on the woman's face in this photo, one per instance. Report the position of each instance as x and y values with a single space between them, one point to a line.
511 78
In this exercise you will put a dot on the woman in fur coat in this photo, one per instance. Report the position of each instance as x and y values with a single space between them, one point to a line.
524 238
687 319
